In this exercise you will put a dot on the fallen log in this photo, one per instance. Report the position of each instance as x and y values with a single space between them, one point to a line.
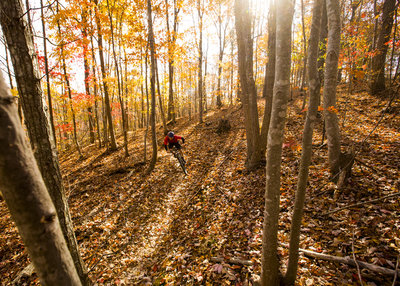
350 261
25 273
346 260
361 203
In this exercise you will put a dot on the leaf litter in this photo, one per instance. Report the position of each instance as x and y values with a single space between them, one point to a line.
165 228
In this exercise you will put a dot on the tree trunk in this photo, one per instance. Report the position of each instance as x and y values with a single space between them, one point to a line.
68 87
270 263
19 41
268 88
113 144
314 91
164 123
171 50
121 101
152 87
87 74
200 68
95 92
28 200
378 61
248 87
46 68
330 82
322 44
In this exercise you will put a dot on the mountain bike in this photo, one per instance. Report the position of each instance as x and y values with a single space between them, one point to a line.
178 155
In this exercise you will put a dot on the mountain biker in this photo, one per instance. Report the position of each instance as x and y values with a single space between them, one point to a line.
171 140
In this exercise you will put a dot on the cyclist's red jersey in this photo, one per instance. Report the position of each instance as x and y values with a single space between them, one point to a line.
172 140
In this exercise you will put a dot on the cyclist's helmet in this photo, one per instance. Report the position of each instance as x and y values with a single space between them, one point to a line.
171 134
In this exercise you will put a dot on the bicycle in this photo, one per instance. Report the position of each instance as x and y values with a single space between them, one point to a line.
178 155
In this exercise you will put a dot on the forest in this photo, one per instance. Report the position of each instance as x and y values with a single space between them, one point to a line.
199 142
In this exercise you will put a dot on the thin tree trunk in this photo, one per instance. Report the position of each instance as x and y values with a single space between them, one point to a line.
322 44
270 262
200 67
378 61
332 57
113 144
28 200
19 40
268 89
95 92
147 111
67 84
248 87
171 49
46 68
87 74
152 87
303 31
121 102
314 91
160 102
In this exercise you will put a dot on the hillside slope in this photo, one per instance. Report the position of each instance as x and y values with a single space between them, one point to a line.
166 227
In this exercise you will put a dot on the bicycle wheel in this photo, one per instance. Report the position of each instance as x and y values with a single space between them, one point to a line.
182 162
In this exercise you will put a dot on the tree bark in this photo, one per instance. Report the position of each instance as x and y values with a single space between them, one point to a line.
87 73
68 87
200 68
171 50
268 88
330 82
28 200
314 91
270 263
152 87
19 41
160 102
46 68
247 83
121 101
113 144
95 92
378 61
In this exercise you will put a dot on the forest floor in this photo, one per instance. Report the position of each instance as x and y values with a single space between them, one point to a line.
164 228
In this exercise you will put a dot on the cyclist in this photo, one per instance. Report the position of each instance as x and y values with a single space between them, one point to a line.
171 140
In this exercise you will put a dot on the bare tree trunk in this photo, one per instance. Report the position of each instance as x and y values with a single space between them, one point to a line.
303 31
322 44
248 87
378 61
68 87
152 87
332 57
28 200
95 92
87 74
162 113
11 82
113 144
46 68
171 50
121 101
268 88
147 111
19 40
314 91
200 69
270 263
